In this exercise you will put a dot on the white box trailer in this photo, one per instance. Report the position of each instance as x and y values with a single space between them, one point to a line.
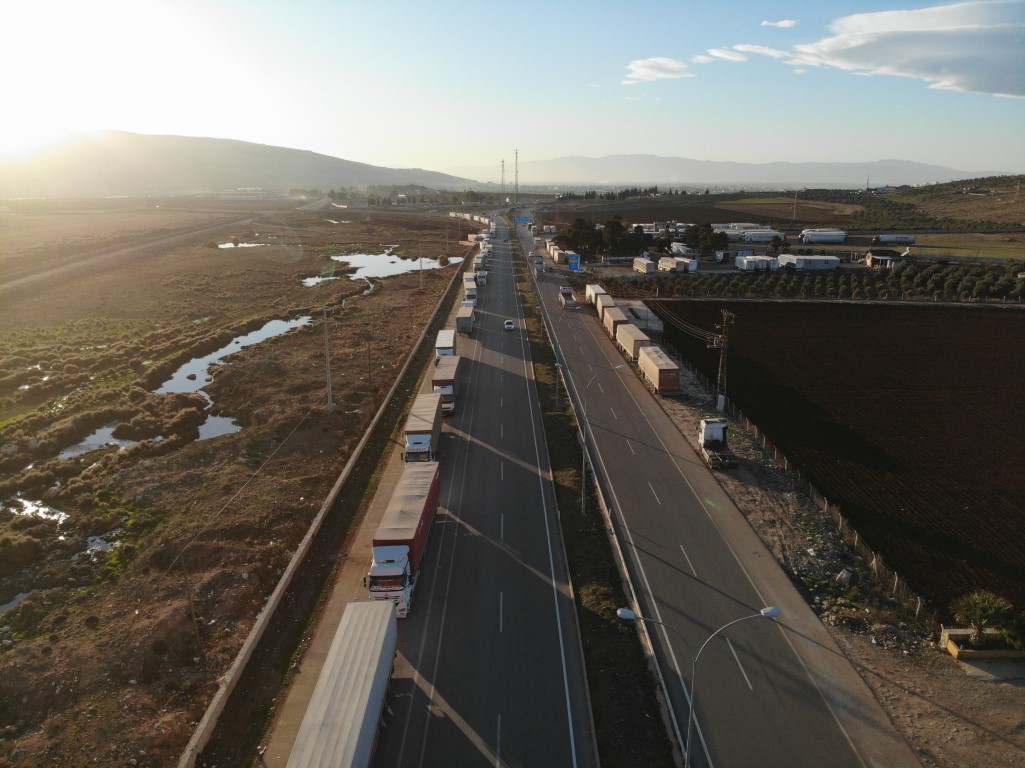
464 320
612 318
445 381
422 430
343 716
591 291
761 236
445 344
644 266
630 339
658 369
602 302
895 239
677 264
823 235
756 263
792 261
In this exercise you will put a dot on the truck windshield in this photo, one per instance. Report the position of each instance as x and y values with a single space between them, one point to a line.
388 582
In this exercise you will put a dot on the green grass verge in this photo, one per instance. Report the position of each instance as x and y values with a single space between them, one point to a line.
627 721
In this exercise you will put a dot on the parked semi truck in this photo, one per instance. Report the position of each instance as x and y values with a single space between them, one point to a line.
343 717
401 538
445 382
893 240
823 235
422 432
713 443
464 320
445 343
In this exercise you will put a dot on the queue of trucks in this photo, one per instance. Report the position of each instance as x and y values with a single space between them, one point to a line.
342 720
401 537
657 369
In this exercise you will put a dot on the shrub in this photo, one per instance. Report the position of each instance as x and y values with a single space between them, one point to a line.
980 610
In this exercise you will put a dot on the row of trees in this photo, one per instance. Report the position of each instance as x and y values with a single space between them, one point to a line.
624 194
934 282
618 238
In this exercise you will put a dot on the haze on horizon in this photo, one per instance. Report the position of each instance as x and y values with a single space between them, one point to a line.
451 87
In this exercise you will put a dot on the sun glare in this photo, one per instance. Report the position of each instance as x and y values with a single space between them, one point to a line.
15 144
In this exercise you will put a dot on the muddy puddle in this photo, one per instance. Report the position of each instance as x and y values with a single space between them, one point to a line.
193 376
369 265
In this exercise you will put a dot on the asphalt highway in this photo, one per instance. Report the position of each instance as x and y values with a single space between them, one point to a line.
767 692
489 670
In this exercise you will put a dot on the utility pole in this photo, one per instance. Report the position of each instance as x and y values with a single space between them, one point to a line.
722 342
517 177
503 178
327 362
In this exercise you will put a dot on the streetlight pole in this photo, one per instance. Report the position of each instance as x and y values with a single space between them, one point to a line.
583 437
769 612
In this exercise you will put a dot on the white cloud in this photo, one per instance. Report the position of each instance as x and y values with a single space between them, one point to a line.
762 50
727 53
976 46
971 47
657 68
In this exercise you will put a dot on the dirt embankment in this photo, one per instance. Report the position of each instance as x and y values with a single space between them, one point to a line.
115 653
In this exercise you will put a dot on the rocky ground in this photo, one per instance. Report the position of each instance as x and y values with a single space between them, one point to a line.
951 713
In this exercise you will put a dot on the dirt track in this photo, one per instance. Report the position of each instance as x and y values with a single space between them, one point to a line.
90 259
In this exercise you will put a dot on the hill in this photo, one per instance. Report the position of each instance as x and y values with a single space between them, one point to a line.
120 163
646 170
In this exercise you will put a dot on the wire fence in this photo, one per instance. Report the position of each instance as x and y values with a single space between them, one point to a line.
889 581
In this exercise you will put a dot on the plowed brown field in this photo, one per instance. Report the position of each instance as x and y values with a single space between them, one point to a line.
909 417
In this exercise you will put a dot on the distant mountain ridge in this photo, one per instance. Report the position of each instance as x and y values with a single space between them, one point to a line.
648 170
120 163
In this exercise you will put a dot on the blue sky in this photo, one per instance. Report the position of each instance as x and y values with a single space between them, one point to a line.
457 85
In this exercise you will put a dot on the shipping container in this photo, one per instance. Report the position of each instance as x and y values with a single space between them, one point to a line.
644 266
602 302
658 369
630 339
591 291
612 318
